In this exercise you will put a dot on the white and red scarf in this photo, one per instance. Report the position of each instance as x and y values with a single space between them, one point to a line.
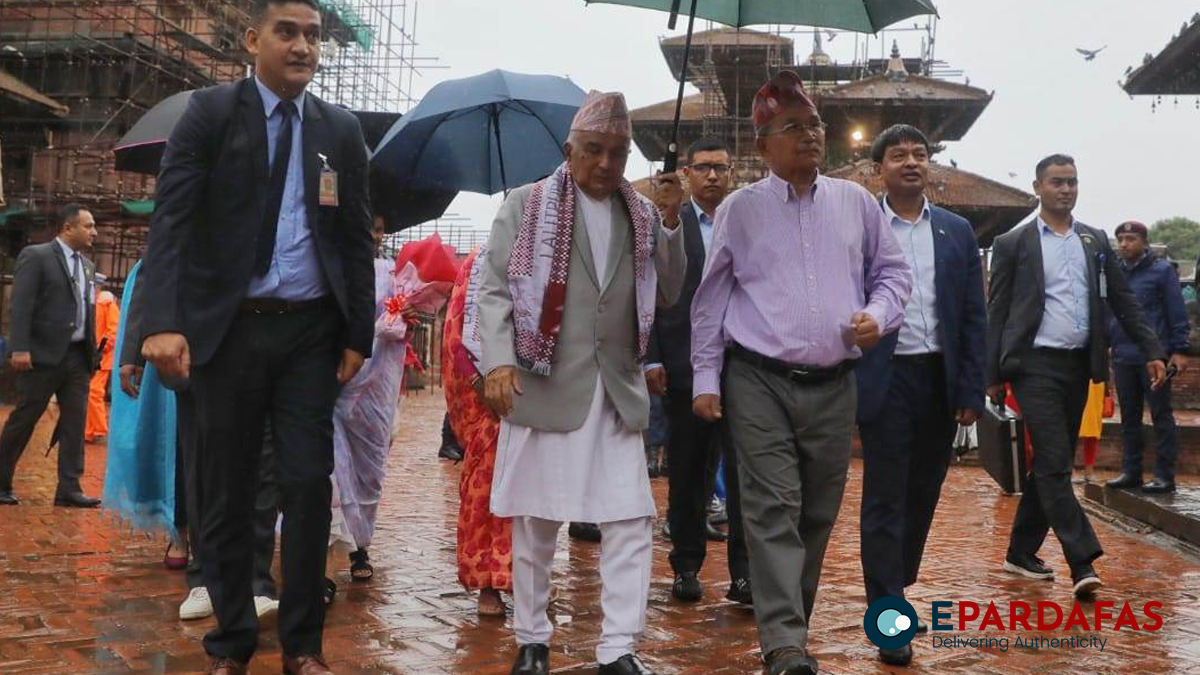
541 259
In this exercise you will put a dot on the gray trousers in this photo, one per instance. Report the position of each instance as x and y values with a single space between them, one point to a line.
793 448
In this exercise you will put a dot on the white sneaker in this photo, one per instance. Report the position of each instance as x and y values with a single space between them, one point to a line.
197 606
264 606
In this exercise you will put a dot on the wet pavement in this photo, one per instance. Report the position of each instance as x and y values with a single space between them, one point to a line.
82 593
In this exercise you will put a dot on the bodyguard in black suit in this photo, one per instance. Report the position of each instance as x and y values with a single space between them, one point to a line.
52 340
261 289
1051 279
920 382
695 445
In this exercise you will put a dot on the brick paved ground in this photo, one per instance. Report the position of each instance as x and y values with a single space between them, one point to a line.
81 593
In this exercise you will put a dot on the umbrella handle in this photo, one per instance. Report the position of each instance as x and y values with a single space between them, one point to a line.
674 14
672 159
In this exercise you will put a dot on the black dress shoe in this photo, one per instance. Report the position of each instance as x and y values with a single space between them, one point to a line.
922 627
8 499
626 665
687 587
901 656
790 661
1027 565
1158 486
1124 481
77 500
532 659
1085 579
739 591
666 530
584 532
450 452
713 533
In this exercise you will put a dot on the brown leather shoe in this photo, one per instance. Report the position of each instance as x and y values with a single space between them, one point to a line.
223 665
309 664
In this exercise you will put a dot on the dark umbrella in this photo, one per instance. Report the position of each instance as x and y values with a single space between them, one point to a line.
403 208
863 16
485 134
141 148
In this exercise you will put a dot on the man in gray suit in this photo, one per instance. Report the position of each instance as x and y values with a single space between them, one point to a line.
53 350
576 266
1052 280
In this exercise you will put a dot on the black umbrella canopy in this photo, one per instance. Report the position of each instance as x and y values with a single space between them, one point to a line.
140 150
403 208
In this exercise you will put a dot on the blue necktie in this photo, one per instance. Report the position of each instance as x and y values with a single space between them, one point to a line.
265 249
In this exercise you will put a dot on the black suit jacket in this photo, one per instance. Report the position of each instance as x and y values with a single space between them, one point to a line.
1017 298
962 323
209 205
671 338
44 309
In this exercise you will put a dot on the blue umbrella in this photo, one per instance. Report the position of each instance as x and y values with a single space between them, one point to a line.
487 133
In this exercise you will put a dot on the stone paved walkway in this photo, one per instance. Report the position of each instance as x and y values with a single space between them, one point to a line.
82 594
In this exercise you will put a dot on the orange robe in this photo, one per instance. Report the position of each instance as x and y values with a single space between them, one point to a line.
108 314
484 540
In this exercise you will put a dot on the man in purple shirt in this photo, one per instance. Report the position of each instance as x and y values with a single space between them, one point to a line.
804 272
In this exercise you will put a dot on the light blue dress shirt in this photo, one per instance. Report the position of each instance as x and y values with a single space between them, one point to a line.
295 273
919 334
706 226
1066 314
81 286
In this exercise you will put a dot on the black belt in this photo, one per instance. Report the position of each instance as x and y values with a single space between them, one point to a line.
1062 353
798 373
933 358
275 306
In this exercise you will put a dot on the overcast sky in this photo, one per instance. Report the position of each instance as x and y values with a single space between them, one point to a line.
1133 163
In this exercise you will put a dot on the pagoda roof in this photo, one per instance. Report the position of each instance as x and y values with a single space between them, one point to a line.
944 110
664 111
735 37
14 88
911 87
652 125
1176 69
993 208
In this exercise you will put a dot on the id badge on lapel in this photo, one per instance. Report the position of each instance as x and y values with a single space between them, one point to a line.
328 184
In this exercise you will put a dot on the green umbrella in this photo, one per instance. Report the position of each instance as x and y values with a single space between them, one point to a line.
863 16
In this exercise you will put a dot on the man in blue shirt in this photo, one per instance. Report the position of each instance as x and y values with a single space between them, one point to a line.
260 292
919 383
1052 281
1157 287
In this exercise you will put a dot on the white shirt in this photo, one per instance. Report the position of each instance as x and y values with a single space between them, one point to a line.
919 334
597 218
81 286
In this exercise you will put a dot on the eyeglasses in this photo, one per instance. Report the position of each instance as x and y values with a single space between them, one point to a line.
705 169
795 129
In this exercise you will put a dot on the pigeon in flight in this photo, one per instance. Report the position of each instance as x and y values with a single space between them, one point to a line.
1012 174
830 35
1090 54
